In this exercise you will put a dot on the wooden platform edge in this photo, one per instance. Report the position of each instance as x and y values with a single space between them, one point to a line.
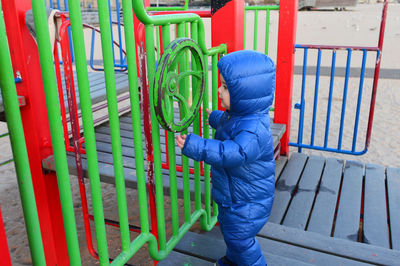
339 247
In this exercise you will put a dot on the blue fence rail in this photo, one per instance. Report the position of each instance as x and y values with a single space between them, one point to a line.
327 144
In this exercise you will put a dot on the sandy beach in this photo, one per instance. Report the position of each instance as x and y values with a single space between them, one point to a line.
357 26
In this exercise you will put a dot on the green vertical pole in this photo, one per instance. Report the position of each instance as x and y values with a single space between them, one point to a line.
107 49
14 124
135 109
185 161
255 30
172 158
267 31
54 114
155 132
196 124
88 128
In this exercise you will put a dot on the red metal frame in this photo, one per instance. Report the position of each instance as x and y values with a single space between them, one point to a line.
285 68
4 253
25 59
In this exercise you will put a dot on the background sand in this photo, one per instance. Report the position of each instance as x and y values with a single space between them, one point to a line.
357 26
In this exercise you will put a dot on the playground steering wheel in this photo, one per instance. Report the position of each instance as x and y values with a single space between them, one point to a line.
168 81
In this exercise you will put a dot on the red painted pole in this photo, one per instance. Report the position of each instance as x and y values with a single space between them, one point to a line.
285 68
4 253
25 59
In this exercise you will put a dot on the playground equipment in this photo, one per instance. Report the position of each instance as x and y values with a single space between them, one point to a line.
169 95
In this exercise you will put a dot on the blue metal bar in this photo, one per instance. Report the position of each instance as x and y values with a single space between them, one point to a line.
305 146
92 49
121 55
51 3
359 100
302 99
328 111
111 28
346 83
315 107
58 4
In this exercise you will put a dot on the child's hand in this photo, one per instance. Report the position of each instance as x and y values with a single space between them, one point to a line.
180 140
209 111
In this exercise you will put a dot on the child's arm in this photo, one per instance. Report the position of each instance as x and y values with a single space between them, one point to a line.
229 153
214 117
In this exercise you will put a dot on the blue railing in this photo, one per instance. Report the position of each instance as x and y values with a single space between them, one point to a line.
316 104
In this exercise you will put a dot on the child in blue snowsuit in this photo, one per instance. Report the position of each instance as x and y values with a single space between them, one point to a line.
241 155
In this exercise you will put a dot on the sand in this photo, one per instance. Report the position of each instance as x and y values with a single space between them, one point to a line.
356 26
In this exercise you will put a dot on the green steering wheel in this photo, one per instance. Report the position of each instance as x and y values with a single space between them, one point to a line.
167 82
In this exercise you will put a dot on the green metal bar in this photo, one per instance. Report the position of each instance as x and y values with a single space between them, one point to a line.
16 132
158 43
4 135
196 125
54 114
113 114
267 20
271 7
255 37
88 128
141 14
135 109
214 89
151 69
172 158
185 161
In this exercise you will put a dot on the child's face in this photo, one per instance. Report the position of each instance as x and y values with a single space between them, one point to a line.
224 95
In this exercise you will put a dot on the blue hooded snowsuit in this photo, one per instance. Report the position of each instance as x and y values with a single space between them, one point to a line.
241 155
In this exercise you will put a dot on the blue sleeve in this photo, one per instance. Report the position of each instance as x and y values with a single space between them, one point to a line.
214 118
242 149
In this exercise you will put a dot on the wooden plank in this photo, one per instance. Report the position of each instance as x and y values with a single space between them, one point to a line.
283 254
177 259
348 217
343 248
279 165
393 191
375 227
300 206
286 185
323 212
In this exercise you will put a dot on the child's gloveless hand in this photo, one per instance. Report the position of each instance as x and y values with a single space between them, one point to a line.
180 140
209 111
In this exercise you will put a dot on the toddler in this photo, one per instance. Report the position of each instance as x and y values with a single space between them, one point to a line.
241 155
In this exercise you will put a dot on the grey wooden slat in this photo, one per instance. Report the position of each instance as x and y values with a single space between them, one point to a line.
323 212
375 227
300 206
279 165
348 217
283 254
336 246
393 190
286 185
180 259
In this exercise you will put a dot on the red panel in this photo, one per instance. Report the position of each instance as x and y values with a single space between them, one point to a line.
25 59
227 26
285 67
4 253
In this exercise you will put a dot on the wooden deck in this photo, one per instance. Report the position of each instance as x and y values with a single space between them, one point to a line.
326 212
97 89
105 160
